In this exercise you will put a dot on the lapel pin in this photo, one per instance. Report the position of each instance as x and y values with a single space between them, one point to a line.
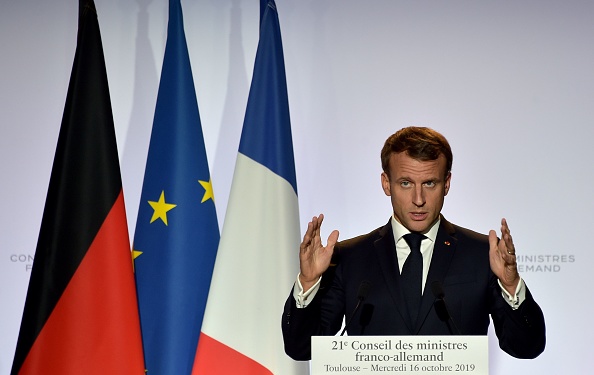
447 243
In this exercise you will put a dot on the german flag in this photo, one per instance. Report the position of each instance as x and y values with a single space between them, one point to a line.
81 314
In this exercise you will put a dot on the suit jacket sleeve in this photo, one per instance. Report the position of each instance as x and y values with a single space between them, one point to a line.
521 333
300 324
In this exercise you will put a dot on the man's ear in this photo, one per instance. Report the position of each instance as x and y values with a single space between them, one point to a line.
386 184
447 183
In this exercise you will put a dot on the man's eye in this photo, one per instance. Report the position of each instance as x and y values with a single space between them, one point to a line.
405 183
430 183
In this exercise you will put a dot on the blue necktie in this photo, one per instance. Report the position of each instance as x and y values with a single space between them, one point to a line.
412 276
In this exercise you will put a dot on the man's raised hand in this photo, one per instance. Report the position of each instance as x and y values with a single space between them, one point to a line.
502 257
314 257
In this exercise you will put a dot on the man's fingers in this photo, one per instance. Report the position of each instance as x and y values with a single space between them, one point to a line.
504 225
317 224
493 240
307 237
332 239
311 238
505 246
510 249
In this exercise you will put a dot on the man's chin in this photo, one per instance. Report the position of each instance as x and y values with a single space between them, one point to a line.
418 226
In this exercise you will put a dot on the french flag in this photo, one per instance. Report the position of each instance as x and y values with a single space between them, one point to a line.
258 253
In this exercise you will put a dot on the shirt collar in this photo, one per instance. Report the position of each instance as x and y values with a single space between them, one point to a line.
400 230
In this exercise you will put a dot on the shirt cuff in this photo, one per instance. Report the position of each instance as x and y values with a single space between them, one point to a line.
303 299
517 298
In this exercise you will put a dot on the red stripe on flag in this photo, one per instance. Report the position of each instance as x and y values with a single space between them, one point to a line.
216 358
94 328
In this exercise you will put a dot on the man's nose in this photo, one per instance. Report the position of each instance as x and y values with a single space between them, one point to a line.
419 196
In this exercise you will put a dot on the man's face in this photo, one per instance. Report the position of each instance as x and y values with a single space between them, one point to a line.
416 189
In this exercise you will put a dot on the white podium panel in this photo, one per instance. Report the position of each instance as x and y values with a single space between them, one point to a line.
407 355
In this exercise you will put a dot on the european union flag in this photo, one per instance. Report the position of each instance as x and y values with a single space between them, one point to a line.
177 234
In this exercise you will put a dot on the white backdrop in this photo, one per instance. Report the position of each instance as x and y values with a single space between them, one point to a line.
509 83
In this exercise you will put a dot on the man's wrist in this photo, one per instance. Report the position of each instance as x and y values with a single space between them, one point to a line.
302 296
307 283
511 288
516 296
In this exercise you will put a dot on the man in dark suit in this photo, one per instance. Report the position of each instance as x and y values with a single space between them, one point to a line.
393 274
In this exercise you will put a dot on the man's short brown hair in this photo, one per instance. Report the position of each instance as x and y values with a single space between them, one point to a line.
419 143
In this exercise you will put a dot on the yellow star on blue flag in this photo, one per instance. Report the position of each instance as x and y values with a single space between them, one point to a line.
208 193
161 208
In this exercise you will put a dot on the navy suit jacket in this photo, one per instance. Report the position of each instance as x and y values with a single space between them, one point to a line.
460 263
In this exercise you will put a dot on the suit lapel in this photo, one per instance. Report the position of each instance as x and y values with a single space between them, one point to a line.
443 252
